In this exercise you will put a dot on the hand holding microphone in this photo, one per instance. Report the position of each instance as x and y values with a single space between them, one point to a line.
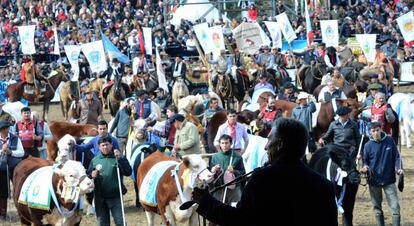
97 171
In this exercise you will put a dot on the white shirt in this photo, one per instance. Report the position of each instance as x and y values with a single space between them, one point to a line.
19 152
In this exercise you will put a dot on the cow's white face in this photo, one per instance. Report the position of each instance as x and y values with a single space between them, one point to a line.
198 172
74 175
65 146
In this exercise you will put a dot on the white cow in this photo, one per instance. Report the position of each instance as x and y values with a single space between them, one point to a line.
65 149
403 105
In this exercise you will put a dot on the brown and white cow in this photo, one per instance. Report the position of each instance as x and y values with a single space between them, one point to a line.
191 172
60 129
69 177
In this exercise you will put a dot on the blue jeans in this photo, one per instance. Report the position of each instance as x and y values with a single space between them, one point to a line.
391 196
105 205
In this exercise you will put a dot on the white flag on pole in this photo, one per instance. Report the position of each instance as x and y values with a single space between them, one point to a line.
248 37
275 33
72 53
162 82
202 32
367 43
56 50
286 27
95 54
26 34
216 39
147 40
406 24
330 34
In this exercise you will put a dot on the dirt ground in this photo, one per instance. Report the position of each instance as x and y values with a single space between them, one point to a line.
363 213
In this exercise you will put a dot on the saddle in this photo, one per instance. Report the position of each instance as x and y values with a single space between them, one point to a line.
106 87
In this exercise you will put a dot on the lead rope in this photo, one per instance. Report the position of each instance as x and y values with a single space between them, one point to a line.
340 177
177 183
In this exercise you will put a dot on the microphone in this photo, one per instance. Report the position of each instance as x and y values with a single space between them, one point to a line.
99 168
190 203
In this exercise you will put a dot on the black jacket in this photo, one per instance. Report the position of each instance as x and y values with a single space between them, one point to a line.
343 136
281 194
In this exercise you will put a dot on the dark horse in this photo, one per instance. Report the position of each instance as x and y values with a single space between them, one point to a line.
329 161
310 76
241 85
117 93
16 92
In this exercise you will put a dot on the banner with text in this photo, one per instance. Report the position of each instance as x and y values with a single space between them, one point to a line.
248 38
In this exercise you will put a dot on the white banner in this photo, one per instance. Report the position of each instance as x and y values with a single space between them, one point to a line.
286 27
275 33
248 38
147 40
72 53
56 50
26 34
162 81
367 43
216 38
94 52
330 34
202 31
407 74
406 24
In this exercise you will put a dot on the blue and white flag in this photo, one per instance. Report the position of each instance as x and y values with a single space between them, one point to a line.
72 54
367 42
406 24
112 51
330 34
26 34
94 52
286 27
275 33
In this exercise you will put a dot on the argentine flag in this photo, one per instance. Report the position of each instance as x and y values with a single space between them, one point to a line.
112 51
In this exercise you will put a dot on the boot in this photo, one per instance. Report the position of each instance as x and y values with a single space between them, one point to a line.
3 208
380 220
396 220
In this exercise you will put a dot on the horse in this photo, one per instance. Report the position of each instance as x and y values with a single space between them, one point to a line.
310 76
339 166
224 88
403 104
17 91
117 93
179 90
241 85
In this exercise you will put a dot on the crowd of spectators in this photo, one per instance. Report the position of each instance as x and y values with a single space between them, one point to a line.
80 22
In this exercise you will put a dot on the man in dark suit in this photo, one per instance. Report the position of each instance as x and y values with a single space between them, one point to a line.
296 195
178 70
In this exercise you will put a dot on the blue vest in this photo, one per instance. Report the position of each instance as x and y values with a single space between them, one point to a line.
12 142
145 112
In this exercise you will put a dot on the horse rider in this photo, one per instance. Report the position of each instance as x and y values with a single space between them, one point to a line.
115 70
389 48
321 52
265 59
179 70
280 62
343 132
330 93
223 65
331 58
382 112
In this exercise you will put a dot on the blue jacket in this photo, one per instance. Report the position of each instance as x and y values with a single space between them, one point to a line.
382 159
93 145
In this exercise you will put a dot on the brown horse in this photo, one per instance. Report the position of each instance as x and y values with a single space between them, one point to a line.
224 89
327 115
117 93
16 92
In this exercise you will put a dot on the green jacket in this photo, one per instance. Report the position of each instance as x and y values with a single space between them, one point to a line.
188 139
223 159
106 183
